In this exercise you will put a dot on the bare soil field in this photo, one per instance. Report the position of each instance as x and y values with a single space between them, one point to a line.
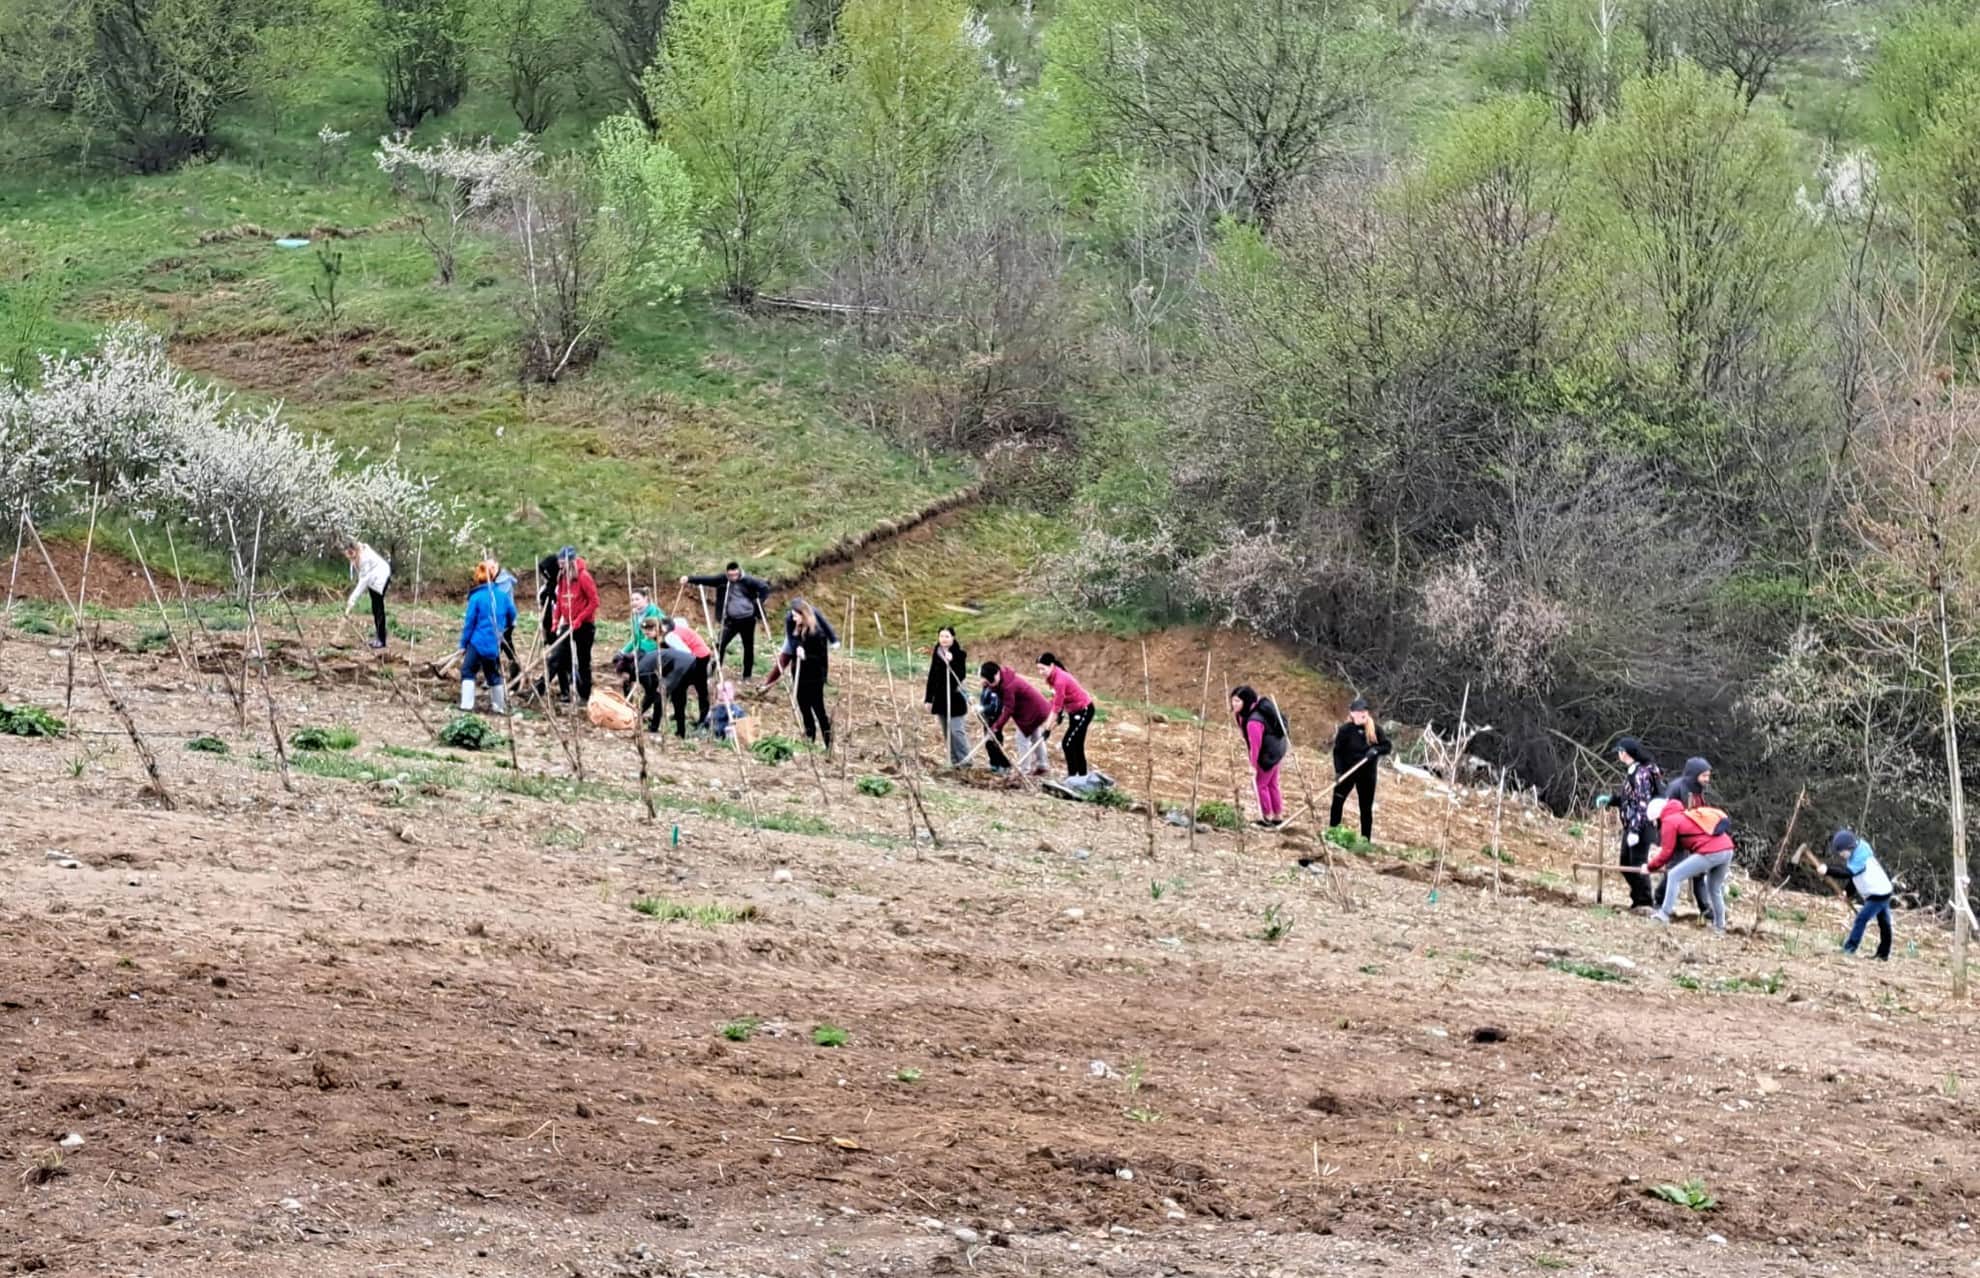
402 1017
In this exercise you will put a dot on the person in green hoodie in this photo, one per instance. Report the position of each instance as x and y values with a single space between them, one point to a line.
638 643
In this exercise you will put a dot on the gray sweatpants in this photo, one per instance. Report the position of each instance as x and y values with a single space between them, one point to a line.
958 740
1714 867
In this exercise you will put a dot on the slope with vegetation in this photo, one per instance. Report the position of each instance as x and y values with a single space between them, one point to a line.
1602 363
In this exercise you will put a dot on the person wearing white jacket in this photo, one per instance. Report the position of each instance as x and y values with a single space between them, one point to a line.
372 573
1866 874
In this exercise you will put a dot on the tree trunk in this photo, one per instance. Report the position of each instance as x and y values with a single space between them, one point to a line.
1956 806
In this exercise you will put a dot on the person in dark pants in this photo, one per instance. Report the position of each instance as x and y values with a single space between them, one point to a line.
991 707
663 669
1070 706
681 636
557 659
944 697
739 601
1358 743
1642 781
505 584
1866 874
577 616
812 653
1689 790
372 574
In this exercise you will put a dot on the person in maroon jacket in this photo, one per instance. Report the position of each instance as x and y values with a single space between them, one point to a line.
576 617
1071 706
1024 707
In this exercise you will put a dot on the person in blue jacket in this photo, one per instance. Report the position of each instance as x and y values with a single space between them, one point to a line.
1866 874
490 613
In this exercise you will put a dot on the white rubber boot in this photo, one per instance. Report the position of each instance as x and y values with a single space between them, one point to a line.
467 694
498 700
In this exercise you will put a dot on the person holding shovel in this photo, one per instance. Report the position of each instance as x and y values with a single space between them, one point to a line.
1264 731
812 642
489 613
556 657
1358 743
626 664
944 696
1865 873
576 622
681 637
739 600
372 574
1695 841
1072 707
505 585
1642 781
1020 704
663 668
787 653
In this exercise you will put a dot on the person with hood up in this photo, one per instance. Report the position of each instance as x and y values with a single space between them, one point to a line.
577 617
739 600
1642 781
489 613
1019 704
1695 840
626 664
371 574
1689 785
944 696
1072 707
681 636
1264 730
505 584
1866 874
1358 743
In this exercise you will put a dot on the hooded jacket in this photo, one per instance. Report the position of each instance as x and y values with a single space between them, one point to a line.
755 589
1351 745
1864 871
1022 704
577 596
1688 826
1067 696
1265 734
489 613
637 642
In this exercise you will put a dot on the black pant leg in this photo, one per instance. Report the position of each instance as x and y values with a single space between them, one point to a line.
1339 804
678 695
698 679
509 653
749 647
560 666
1364 785
1639 884
1884 931
651 701
378 613
1074 744
582 637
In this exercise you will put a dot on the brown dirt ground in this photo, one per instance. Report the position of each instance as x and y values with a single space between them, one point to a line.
357 365
412 1025
114 581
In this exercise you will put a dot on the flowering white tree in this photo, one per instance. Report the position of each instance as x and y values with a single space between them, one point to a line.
459 185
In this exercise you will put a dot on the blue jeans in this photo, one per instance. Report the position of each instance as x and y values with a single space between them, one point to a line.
1878 908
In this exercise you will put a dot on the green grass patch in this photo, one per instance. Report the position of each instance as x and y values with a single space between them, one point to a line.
876 787
907 1074
1108 796
338 738
28 721
1348 840
1586 971
710 914
1278 925
1217 815
740 1029
208 745
412 752
829 1035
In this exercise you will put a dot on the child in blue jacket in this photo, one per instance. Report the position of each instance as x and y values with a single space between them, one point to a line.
490 613
1866 874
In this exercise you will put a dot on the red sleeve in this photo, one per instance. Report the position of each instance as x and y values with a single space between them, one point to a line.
587 604
1254 736
1057 683
1667 846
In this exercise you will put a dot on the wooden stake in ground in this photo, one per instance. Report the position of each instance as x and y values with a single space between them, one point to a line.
14 572
257 643
1148 754
295 624
117 707
1202 731
1774 879
82 591
909 773
164 619
194 620
845 689
1334 875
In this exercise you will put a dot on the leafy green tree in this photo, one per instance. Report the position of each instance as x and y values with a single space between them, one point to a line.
1253 95
1932 52
633 29
1575 53
1693 205
910 95
647 186
533 51
735 100
422 50
152 77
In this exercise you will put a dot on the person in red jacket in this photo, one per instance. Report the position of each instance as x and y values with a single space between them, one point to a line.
1695 840
576 622
1023 707
1070 706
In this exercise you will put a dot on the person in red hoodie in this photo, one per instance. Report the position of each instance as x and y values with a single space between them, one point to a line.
1070 706
1024 707
1695 840
576 622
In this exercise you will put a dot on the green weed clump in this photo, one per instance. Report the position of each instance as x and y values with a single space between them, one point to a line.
774 749
1586 971
709 915
1278 925
829 1036
1692 1194
323 739
1348 840
740 1029
1108 796
29 721
208 745
1217 815
470 732
878 787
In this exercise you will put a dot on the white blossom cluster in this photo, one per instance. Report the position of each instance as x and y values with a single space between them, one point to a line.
474 178
124 423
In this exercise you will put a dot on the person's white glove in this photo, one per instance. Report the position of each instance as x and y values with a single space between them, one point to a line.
1631 840
835 647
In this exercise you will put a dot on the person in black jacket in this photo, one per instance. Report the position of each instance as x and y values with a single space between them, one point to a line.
1358 743
812 642
739 601
1642 782
548 570
944 696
